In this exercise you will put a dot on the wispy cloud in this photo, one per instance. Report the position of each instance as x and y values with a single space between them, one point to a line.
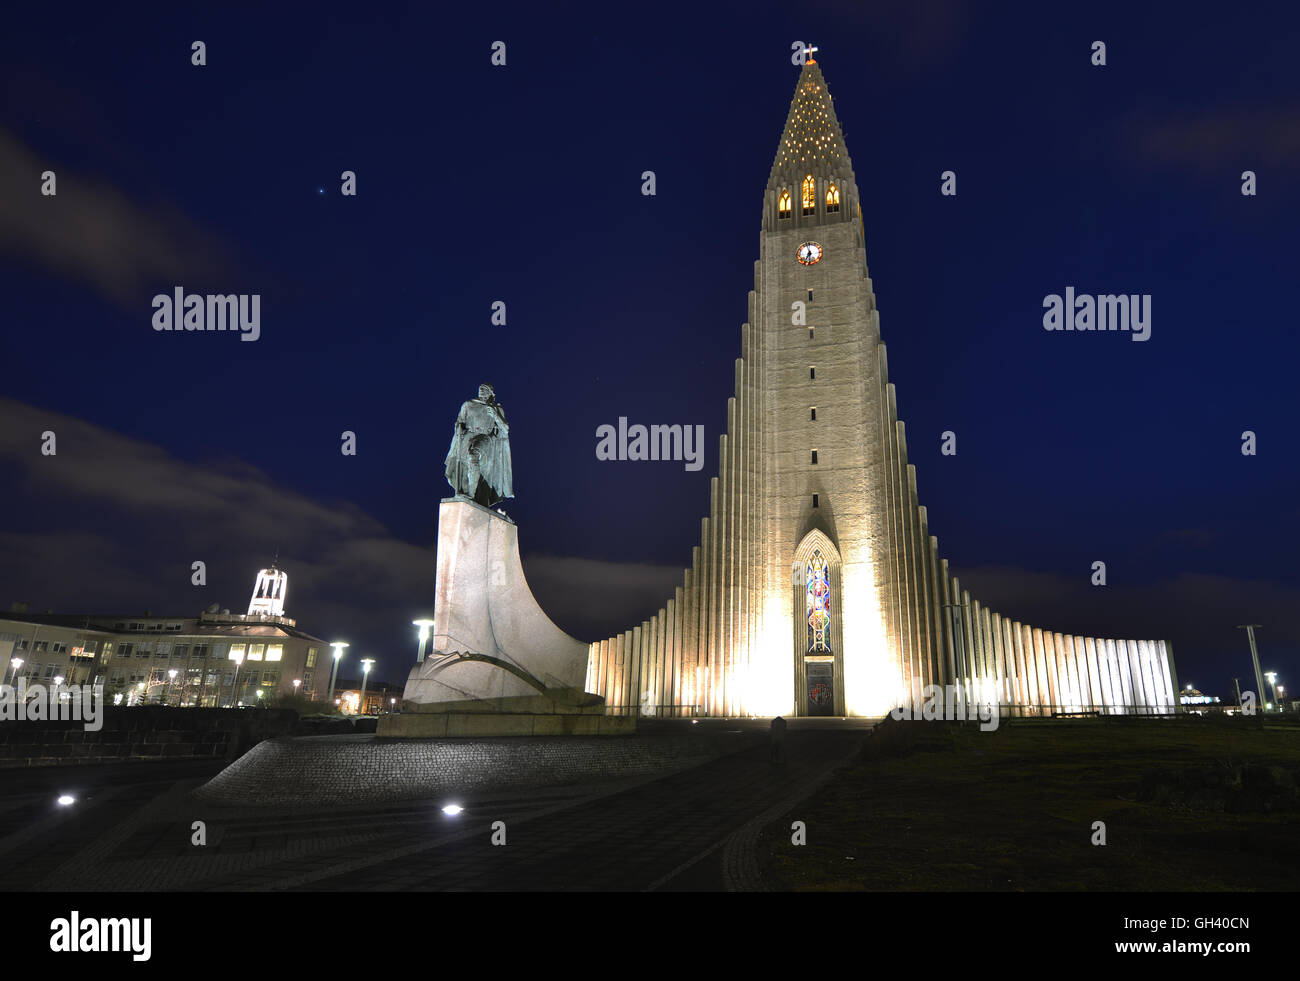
92 232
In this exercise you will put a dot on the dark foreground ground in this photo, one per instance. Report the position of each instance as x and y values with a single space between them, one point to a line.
1188 805
692 829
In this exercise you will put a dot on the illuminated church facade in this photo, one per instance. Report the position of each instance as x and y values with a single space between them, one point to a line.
817 588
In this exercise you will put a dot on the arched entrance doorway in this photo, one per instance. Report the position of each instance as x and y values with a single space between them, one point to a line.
818 627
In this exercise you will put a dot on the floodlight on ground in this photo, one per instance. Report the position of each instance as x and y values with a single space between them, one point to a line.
451 810
66 799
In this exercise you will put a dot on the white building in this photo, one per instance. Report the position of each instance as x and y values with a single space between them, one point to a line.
216 658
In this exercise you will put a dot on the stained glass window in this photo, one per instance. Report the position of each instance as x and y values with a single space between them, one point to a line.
809 195
818 603
783 205
832 198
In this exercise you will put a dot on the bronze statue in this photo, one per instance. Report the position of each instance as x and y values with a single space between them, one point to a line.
478 463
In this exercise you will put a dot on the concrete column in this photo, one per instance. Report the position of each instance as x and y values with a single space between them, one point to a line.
919 549
706 601
1126 684
892 588
1003 676
1152 676
908 645
1171 671
671 673
1019 696
1065 672
726 543
945 611
977 637
1101 683
968 629
1047 671
1132 676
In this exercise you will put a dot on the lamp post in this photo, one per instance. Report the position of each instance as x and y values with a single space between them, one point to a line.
1271 676
171 684
424 626
365 676
296 683
14 664
338 646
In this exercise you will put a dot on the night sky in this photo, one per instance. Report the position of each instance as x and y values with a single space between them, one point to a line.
522 183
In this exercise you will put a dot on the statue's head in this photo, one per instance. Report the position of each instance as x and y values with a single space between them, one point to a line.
486 393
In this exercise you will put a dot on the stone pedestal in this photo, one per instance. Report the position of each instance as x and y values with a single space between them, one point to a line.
498 665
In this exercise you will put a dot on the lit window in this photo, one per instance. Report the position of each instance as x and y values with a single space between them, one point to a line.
255 651
275 652
783 205
809 195
818 603
237 652
832 198
311 657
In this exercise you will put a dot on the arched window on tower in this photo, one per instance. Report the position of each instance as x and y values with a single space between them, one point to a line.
818 604
783 205
832 198
809 195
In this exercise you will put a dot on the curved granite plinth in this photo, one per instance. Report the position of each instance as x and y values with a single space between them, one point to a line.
490 638
341 769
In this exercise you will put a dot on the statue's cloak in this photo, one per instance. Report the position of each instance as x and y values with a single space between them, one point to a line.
481 427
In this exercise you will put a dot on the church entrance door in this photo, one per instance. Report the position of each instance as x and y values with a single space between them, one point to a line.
821 686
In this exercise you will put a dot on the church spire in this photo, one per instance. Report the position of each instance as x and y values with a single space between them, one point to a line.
812 142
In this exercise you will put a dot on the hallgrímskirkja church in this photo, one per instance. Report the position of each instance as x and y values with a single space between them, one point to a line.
817 588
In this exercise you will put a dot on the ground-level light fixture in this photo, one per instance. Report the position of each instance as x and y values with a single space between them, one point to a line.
66 799
451 810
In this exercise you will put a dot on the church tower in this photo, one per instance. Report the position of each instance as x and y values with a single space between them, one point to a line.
817 588
269 593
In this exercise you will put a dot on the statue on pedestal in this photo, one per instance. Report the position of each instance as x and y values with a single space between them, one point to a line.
478 463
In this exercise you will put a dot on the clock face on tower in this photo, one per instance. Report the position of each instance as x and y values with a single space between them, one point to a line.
809 253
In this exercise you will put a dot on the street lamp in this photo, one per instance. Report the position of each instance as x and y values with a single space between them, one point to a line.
424 626
338 646
15 663
365 676
296 683
171 684
1271 677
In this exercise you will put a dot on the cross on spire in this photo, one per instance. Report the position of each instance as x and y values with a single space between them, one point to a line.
808 50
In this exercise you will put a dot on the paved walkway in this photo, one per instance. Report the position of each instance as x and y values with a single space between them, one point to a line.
691 829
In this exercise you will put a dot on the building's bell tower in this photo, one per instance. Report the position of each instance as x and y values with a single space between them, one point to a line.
269 593
818 381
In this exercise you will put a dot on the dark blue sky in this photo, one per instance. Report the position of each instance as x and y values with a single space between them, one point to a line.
522 184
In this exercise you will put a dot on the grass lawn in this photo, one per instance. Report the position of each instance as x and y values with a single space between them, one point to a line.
942 806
